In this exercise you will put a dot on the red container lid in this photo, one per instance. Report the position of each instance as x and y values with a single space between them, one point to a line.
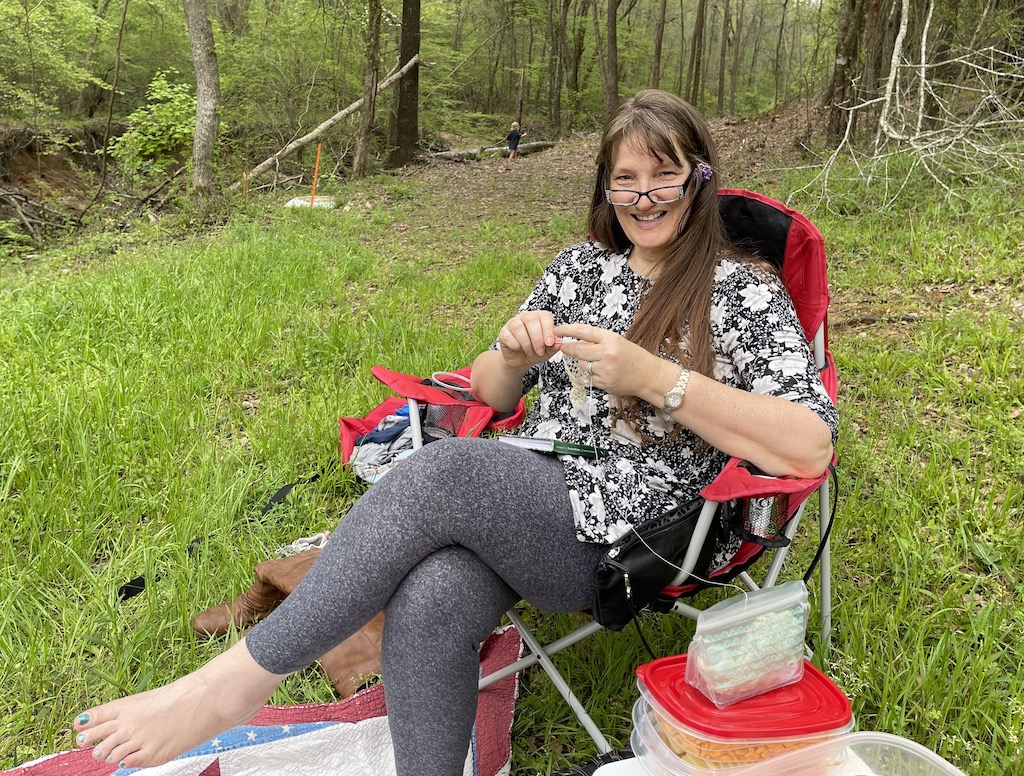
812 705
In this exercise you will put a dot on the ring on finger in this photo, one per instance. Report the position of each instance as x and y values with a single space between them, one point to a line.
590 367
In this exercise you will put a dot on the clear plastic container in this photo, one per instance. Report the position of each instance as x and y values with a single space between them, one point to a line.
750 644
855 754
672 715
859 754
655 755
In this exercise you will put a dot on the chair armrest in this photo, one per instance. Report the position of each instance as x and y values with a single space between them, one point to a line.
736 480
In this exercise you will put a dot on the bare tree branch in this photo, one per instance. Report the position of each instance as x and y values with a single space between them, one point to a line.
309 137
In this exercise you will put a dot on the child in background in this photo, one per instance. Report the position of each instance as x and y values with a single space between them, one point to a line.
512 138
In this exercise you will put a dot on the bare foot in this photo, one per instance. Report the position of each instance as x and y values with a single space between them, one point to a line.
156 726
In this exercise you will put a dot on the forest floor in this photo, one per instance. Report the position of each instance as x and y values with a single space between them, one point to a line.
558 178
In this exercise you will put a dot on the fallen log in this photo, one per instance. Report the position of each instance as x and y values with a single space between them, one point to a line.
309 137
473 154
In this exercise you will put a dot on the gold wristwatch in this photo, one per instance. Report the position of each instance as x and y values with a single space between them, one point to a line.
674 398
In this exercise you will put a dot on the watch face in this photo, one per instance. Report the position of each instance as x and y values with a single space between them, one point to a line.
673 400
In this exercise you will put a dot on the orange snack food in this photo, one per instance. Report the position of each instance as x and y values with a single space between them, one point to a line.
681 726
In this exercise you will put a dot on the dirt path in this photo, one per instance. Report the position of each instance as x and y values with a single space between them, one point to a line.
559 180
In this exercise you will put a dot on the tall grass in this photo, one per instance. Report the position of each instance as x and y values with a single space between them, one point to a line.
159 393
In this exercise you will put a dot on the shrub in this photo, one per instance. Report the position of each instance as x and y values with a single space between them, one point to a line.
158 132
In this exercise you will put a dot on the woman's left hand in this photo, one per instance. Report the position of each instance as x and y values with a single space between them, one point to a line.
615 364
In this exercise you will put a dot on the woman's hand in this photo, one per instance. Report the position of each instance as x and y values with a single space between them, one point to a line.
528 339
615 364
497 375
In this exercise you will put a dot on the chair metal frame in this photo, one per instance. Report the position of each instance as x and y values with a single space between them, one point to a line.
809 289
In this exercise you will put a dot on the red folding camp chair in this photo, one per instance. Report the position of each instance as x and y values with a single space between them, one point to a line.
791 242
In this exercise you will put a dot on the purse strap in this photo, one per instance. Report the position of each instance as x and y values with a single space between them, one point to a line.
828 528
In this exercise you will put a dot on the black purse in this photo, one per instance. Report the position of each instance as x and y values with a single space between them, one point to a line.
634 570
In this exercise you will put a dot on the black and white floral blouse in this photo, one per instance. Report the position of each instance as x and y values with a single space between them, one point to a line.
760 347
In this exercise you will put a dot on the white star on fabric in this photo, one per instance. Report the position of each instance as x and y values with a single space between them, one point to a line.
251 736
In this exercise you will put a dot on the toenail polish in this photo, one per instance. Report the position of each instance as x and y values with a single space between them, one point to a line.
121 764
110 757
80 738
83 719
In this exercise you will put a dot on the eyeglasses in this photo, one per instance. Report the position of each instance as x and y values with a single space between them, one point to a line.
662 195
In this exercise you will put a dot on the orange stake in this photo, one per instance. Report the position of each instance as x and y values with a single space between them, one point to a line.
316 173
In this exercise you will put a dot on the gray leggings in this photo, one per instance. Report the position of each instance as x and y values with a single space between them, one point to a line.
443 544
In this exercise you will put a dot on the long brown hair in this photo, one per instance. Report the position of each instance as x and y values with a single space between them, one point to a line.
678 305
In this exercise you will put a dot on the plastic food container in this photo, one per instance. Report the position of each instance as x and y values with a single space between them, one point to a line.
855 754
859 754
683 732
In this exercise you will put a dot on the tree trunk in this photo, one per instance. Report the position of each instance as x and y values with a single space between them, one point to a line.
83 95
601 61
659 36
876 50
563 20
885 129
232 16
204 61
682 46
819 37
405 121
723 51
795 60
457 40
521 96
840 93
755 49
778 53
611 95
734 71
576 62
693 70
551 49
369 88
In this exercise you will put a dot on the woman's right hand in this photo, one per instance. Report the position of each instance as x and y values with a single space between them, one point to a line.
527 339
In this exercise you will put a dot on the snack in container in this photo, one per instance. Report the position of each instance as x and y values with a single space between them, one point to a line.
749 644
858 754
682 727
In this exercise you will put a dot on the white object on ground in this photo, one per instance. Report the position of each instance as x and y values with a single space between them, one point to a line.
327 202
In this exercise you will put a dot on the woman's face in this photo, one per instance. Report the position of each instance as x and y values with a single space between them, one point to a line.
652 227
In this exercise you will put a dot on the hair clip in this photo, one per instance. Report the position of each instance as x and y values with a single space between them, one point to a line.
705 170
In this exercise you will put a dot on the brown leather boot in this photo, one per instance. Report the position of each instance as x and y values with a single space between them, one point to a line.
250 607
275 579
356 660
285 573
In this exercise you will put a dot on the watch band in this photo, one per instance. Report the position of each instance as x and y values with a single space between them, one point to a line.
674 397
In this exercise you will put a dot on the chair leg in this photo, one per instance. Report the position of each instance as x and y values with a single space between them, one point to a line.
542 656
825 570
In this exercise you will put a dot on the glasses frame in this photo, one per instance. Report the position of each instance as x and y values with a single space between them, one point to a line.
681 188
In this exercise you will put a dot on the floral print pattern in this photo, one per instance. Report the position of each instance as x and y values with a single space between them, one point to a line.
759 347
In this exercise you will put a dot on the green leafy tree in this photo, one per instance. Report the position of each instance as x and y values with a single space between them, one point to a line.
41 46
160 132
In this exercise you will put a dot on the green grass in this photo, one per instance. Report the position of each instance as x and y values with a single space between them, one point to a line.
155 390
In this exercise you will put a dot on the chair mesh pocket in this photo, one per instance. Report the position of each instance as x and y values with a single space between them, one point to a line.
442 421
762 520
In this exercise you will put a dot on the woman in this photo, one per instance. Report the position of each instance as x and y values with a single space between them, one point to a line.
652 341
